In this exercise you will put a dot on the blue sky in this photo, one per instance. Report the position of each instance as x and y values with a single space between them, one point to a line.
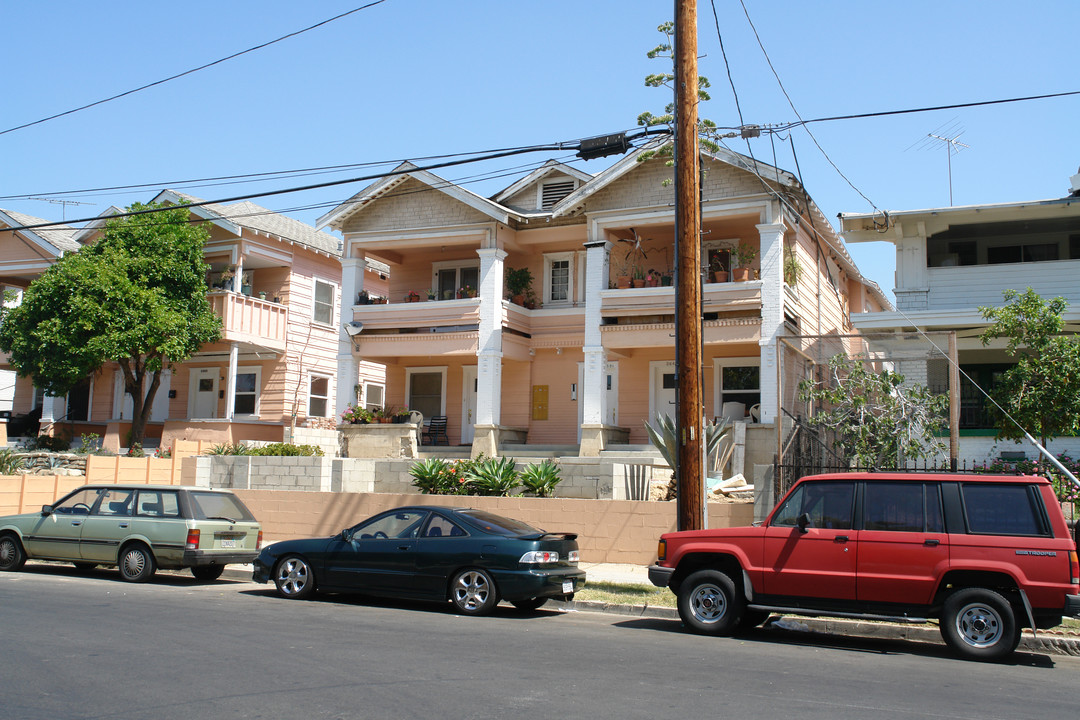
412 78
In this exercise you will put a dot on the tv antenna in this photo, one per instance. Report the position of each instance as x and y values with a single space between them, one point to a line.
65 203
949 136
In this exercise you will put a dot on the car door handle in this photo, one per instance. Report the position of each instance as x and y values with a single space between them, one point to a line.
840 538
76 523
123 525
402 547
931 541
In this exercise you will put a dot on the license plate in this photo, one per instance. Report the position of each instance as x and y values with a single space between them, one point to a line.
230 543
568 586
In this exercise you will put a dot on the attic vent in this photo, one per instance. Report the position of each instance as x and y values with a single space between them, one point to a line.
553 192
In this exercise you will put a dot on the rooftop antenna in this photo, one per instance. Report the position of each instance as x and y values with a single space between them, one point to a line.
949 136
65 203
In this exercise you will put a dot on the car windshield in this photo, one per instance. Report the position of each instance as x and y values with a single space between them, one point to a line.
218 505
499 525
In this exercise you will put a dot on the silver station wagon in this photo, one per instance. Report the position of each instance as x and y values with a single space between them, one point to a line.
138 528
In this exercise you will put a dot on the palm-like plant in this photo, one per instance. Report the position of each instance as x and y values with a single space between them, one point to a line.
495 477
665 437
541 479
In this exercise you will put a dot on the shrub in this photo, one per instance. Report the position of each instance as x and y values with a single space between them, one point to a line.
429 476
286 450
541 479
356 416
9 464
89 443
46 442
495 477
229 449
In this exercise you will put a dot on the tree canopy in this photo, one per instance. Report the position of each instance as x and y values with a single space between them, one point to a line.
1042 391
137 296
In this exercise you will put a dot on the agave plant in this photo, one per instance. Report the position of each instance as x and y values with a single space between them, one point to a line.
665 438
541 479
495 477
9 463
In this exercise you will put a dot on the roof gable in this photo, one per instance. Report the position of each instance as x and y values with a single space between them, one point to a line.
54 240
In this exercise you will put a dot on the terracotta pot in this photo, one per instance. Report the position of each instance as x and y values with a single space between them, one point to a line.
719 276
741 274
518 299
622 282
638 282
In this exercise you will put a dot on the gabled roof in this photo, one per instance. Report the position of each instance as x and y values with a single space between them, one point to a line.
337 217
548 168
55 240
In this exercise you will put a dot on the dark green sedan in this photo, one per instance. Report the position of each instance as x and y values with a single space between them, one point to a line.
471 557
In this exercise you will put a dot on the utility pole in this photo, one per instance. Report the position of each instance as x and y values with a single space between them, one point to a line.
689 480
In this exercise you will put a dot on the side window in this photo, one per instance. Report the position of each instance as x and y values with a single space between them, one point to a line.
157 503
789 512
77 504
439 526
828 503
893 507
115 502
323 306
1001 509
402 524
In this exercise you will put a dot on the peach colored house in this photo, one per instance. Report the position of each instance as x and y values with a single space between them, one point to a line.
276 363
586 366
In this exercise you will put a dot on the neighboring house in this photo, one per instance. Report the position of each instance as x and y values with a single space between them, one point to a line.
951 261
275 283
586 367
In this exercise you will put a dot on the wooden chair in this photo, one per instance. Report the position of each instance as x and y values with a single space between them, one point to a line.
435 432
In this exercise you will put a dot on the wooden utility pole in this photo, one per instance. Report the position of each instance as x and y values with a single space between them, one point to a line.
689 407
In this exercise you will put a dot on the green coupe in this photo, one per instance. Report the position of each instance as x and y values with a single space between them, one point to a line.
138 528
471 557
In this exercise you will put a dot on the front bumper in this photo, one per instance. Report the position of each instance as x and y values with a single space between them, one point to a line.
525 584
660 576
1072 605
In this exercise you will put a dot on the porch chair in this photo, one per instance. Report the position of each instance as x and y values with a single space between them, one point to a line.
435 432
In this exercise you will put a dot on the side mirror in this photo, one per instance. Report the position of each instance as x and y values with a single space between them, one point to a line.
346 535
46 510
803 522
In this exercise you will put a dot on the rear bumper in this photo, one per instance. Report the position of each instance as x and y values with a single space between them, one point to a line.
201 558
1072 605
660 576
525 584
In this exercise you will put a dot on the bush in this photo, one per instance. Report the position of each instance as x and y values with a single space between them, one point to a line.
494 477
9 464
356 416
436 476
541 479
89 443
45 442
286 450
229 449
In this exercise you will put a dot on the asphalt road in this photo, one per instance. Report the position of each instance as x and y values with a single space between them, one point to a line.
91 646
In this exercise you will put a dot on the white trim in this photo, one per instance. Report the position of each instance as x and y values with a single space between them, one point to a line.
366 386
469 401
336 296
328 410
248 370
718 365
549 258
657 370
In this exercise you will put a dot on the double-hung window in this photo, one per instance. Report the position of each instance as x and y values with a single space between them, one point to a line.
323 310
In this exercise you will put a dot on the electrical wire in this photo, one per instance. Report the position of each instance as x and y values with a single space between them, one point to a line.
193 70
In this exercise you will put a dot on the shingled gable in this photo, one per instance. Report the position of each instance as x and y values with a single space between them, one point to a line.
337 217
55 240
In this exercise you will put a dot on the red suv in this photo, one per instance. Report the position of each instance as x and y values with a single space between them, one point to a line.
986 555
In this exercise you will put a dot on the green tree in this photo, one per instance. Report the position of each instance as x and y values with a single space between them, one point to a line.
137 297
875 415
1042 391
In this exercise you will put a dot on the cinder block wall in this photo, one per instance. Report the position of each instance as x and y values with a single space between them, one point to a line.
614 531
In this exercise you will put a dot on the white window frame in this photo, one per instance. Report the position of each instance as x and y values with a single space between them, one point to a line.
410 371
718 378
327 411
458 266
249 370
368 405
549 259
334 295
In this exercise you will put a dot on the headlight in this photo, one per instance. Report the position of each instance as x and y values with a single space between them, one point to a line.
539 557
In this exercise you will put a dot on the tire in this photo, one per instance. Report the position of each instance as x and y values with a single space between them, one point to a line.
136 563
12 555
979 624
84 566
529 604
294 578
709 604
473 592
207 573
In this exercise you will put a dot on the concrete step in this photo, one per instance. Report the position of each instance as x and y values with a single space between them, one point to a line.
538 451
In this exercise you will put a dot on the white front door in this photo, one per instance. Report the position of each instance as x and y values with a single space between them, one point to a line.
468 404
663 389
203 396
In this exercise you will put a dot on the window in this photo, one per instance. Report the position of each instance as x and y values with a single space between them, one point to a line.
157 503
975 408
318 395
558 278
1002 509
902 507
324 303
401 524
425 390
78 402
206 504
78 503
115 502
247 392
373 396
453 276
438 526
552 191
828 504
738 385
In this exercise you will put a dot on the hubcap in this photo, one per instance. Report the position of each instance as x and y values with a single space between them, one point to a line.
471 591
292 576
7 551
708 603
978 625
134 562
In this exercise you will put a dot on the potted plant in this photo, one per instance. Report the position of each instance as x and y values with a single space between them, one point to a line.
413 296
402 415
742 256
518 284
355 416
363 298
718 269
638 278
432 294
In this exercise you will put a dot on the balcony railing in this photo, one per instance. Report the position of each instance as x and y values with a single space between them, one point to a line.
249 320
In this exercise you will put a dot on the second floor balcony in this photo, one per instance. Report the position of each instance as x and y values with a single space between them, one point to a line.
250 320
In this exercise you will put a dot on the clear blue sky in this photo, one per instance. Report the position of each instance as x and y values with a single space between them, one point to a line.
411 78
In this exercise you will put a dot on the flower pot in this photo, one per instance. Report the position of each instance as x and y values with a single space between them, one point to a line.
741 274
638 282
719 276
518 300
665 281
622 282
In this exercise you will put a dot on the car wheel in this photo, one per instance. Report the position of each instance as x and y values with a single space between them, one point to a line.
473 592
293 578
529 604
979 624
136 563
12 555
709 604
84 567
208 573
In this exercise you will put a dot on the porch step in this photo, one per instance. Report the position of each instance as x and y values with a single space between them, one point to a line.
630 451
450 452
529 452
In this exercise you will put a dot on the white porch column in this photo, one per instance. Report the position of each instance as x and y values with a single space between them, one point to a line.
489 346
48 410
348 366
230 382
772 314
593 395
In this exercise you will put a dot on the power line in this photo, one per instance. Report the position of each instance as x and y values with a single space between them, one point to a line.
193 70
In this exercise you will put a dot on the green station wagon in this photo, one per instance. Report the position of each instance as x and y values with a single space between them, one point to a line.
138 528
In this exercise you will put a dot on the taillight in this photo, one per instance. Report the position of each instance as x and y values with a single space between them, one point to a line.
192 542
661 550
539 557
572 557
258 541
1074 567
